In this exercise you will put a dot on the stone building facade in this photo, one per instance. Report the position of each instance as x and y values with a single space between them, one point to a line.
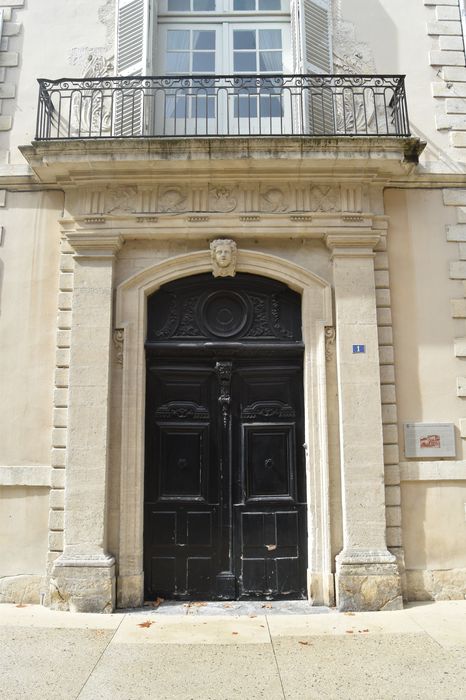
353 495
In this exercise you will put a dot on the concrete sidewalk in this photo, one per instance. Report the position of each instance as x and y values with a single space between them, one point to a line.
227 651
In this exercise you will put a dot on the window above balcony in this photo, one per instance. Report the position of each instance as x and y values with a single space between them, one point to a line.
291 36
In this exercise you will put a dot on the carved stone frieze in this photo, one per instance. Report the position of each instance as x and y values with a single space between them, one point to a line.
121 200
172 199
222 198
248 201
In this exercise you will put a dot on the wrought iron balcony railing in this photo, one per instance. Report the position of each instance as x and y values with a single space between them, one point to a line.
223 105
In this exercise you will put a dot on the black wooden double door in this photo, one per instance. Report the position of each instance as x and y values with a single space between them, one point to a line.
225 492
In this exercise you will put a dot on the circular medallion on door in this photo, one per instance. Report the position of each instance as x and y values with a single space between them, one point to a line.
224 314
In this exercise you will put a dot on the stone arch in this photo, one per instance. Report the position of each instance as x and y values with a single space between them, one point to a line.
130 315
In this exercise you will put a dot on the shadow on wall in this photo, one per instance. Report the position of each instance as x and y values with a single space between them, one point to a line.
371 21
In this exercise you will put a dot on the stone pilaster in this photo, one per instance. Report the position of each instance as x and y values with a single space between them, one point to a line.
83 577
367 575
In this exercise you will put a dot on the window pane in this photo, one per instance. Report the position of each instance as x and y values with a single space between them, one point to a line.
244 39
177 39
175 107
178 6
177 62
204 5
269 5
270 106
202 106
204 62
270 61
203 40
245 61
244 5
270 39
246 106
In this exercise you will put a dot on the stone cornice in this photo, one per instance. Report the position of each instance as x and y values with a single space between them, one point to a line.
352 244
94 244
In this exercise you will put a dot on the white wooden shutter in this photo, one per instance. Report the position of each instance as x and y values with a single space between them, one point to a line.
315 20
133 106
133 37
312 47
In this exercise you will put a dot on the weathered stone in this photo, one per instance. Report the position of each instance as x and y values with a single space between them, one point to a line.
368 587
437 584
20 589
83 588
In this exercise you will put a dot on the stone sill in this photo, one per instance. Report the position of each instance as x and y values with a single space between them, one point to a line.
433 471
25 476
82 160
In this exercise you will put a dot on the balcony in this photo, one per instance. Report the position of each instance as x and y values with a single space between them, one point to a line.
223 106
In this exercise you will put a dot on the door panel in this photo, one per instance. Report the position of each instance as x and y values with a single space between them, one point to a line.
225 491
181 499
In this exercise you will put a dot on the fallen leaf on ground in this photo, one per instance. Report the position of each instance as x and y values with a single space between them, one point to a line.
21 605
363 630
262 625
252 615
235 632
147 623
349 631
305 644
228 605
266 605
349 613
197 605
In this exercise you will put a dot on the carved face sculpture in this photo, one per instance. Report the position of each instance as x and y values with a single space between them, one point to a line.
223 252
223 255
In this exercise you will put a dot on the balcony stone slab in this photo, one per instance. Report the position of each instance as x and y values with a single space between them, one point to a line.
82 162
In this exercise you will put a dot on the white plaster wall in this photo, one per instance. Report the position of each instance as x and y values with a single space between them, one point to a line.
396 33
426 370
28 310
434 524
424 331
23 530
55 40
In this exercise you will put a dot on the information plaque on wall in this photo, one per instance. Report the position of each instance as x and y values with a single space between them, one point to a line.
430 440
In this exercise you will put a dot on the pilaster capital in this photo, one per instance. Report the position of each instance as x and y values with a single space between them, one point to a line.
94 245
358 245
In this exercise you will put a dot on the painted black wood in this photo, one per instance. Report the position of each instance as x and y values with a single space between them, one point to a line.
225 503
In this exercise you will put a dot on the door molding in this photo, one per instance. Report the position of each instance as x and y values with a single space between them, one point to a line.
130 315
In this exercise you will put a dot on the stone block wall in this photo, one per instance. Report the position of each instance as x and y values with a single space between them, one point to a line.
60 406
449 70
9 58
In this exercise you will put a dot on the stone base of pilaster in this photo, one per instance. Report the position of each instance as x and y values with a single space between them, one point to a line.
321 588
368 581
130 591
83 585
